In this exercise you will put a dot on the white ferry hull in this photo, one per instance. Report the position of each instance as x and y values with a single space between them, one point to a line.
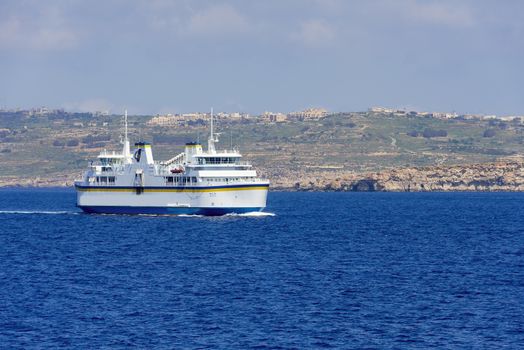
218 200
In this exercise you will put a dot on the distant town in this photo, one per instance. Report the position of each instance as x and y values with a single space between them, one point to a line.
398 149
175 119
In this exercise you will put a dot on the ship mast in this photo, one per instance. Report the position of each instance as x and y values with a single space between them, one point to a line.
212 137
126 151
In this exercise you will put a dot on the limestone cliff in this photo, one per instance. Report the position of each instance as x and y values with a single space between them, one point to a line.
499 176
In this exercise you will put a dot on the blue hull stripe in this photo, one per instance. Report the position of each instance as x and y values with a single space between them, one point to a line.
165 210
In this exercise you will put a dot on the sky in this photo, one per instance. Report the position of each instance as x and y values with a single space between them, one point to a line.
179 56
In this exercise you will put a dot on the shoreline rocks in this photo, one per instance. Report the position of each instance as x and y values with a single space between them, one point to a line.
497 176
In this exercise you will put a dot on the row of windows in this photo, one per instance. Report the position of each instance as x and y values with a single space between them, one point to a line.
186 180
170 180
227 179
103 179
217 160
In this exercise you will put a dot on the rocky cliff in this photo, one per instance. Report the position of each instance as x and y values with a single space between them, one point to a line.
499 176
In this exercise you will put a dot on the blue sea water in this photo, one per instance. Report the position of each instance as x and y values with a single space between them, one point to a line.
327 270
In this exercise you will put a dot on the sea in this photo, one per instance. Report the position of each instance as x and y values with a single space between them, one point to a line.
314 271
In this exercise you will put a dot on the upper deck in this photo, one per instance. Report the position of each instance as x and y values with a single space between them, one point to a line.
138 166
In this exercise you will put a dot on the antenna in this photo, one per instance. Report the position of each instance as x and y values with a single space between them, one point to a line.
212 123
125 125
211 140
126 150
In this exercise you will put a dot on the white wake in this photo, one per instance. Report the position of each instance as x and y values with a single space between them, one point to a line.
252 214
45 212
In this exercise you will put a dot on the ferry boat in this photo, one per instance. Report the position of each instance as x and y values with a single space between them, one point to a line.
209 182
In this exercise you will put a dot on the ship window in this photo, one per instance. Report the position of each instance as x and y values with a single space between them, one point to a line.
169 179
194 179
111 179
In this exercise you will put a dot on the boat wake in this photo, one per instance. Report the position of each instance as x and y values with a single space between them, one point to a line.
252 214
42 212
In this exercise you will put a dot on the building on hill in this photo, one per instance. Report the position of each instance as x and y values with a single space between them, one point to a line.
381 110
270 117
310 113
188 118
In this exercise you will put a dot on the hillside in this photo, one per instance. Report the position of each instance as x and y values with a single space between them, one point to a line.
54 149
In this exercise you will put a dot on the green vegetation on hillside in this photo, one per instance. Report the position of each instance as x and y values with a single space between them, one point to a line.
46 145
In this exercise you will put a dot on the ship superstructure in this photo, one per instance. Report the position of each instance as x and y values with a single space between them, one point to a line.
209 182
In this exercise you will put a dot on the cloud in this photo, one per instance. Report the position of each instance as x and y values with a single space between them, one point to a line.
45 31
90 105
436 12
315 33
217 20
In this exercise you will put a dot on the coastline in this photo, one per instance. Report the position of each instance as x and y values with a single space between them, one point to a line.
502 176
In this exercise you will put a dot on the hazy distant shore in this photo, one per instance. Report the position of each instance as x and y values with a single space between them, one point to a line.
502 176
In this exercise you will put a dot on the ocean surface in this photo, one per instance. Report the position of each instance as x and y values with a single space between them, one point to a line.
320 270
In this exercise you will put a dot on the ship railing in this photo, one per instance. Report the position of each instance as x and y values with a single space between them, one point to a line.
253 180
106 153
233 179
238 163
107 169
179 158
224 151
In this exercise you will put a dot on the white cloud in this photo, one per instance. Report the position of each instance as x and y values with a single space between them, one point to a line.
217 20
181 20
436 12
47 31
315 33
90 105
